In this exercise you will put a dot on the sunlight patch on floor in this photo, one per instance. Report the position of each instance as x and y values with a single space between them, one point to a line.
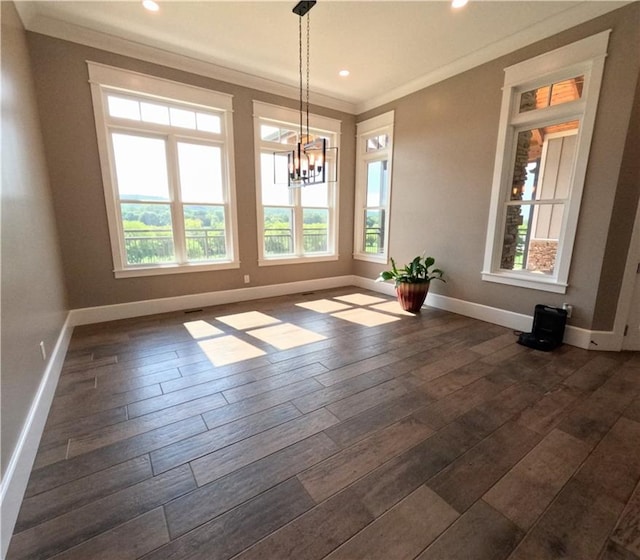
360 299
365 317
323 306
201 329
286 335
248 320
229 350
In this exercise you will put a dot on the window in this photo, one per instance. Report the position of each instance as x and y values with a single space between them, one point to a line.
299 224
546 123
166 152
373 188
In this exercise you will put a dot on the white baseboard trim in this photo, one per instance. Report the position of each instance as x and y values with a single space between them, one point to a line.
368 284
14 482
574 336
509 319
494 315
89 315
610 341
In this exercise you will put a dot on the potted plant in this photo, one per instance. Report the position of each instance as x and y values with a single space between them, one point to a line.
412 281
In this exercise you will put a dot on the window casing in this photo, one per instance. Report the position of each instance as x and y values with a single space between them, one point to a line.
374 152
166 152
546 123
295 225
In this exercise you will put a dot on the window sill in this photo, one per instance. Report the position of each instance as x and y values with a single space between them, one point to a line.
380 259
160 270
275 261
526 280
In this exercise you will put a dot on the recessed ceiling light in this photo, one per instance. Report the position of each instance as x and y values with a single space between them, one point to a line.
344 73
150 5
459 3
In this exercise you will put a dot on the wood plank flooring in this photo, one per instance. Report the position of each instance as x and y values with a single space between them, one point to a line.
332 425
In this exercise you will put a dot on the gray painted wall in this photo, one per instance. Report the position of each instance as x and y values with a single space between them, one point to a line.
627 195
33 296
64 97
445 142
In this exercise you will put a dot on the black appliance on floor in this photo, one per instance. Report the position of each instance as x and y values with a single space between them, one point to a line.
548 328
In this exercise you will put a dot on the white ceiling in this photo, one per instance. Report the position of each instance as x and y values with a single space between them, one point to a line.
390 48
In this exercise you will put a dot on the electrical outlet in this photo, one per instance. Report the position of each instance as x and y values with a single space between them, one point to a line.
43 351
568 308
247 279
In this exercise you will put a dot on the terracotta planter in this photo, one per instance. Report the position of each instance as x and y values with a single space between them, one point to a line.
412 296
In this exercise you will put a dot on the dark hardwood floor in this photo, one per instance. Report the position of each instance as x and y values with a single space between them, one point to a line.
331 425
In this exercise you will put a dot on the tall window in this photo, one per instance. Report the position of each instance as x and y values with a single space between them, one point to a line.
373 188
294 224
167 165
548 111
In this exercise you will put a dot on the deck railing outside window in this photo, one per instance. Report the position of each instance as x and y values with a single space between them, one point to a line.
152 246
279 241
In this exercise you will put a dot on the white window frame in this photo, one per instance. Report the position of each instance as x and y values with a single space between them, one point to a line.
106 80
585 57
375 126
265 113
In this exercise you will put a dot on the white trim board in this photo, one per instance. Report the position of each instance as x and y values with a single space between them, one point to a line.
571 17
574 336
89 315
14 482
186 60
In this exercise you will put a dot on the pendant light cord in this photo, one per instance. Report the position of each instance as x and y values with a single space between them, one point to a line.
308 139
300 69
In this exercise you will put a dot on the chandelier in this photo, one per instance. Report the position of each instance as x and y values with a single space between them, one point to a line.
307 163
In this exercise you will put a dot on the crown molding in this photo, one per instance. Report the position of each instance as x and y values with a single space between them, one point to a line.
541 30
189 61
59 29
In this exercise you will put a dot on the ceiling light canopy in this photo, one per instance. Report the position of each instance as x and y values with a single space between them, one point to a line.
459 3
307 163
302 8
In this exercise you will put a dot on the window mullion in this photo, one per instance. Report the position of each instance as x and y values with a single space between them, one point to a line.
546 201
117 204
298 240
565 111
177 213
226 203
332 242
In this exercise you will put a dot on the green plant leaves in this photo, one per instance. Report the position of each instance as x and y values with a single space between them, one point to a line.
414 272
